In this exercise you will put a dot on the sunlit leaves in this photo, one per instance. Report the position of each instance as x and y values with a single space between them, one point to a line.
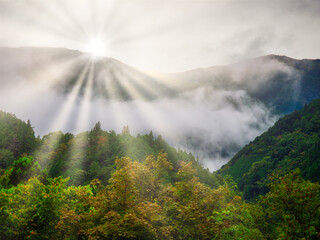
152 200
32 209
122 188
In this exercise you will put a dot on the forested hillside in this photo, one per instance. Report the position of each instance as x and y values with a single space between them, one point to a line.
16 138
160 120
293 142
86 187
92 154
87 155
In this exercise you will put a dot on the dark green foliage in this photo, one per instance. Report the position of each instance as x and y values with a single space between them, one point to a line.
293 142
31 209
6 158
22 169
16 136
291 210
91 155
159 192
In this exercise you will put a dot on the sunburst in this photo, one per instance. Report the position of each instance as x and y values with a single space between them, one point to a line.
96 47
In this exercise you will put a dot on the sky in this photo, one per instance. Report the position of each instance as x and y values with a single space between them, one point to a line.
166 35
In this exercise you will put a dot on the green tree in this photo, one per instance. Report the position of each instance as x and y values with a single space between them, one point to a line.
6 158
22 169
291 210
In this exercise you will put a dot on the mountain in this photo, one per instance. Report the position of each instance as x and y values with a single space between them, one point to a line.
293 142
281 83
212 112
64 69
168 194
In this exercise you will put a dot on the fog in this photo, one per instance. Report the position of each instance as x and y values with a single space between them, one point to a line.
211 111
205 127
213 118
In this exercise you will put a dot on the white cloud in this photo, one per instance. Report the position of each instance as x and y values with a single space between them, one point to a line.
167 35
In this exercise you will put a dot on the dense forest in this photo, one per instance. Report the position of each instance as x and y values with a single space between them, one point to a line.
108 185
293 142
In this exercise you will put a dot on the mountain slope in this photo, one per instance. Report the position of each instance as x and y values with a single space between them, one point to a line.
16 138
90 155
293 142
64 69
87 155
61 89
281 83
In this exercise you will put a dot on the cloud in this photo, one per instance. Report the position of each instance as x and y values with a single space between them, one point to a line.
213 112
213 119
167 36
213 128
216 116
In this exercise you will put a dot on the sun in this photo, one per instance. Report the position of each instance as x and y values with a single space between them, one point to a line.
96 47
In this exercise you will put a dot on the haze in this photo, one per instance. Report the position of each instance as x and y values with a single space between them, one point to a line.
212 120
167 35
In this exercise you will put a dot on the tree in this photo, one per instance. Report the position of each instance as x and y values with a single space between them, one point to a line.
291 210
122 188
31 209
97 127
125 130
22 169
6 158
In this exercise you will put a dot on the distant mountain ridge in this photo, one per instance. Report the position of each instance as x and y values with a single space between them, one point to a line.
111 79
212 112
281 83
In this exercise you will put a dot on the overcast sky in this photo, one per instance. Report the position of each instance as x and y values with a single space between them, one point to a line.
167 35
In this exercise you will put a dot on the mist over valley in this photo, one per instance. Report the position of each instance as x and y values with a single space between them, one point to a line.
212 112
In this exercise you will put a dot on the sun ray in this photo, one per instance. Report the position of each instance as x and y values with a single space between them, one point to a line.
70 16
77 152
43 83
76 155
143 110
119 84
106 18
54 22
54 72
53 139
69 103
110 82
136 90
84 111
149 86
